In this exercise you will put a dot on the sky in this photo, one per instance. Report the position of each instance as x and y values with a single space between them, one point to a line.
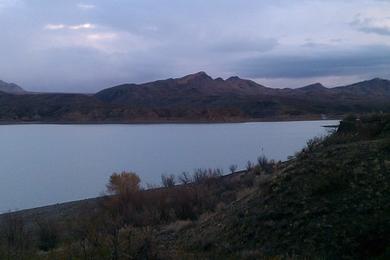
85 46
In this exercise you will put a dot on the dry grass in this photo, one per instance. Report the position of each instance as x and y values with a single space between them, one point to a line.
178 226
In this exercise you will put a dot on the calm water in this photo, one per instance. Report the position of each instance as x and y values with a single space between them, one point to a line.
46 164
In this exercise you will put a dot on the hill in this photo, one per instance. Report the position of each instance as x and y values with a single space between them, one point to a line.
332 200
200 96
197 98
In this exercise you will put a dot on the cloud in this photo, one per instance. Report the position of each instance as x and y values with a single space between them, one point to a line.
54 26
102 36
363 60
375 25
70 27
83 6
311 44
244 44
82 26
103 39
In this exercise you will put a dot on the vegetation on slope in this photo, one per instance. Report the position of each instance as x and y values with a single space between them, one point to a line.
332 200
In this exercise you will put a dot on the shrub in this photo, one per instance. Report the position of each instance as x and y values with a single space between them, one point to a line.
168 181
314 142
185 178
205 175
233 168
249 166
14 236
123 183
124 199
48 235
265 164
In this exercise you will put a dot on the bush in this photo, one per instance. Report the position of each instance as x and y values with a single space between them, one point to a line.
249 166
185 178
123 183
206 175
48 235
233 168
314 142
265 165
14 237
168 181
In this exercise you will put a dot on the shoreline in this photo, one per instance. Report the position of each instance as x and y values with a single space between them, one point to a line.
91 200
159 122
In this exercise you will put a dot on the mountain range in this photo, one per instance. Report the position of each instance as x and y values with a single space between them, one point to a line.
196 97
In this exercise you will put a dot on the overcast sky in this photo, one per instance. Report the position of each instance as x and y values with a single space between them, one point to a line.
84 46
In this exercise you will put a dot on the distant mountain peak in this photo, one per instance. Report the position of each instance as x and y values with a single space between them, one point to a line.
374 87
378 80
314 86
372 83
233 78
10 88
199 76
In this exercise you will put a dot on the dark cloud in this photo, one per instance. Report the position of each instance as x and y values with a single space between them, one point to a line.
371 25
244 45
377 30
364 60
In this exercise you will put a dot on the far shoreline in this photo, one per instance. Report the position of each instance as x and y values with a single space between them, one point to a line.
173 121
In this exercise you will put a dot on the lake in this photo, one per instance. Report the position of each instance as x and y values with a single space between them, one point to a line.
47 164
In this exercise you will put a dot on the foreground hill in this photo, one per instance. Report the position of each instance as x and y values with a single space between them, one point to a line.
197 97
329 201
